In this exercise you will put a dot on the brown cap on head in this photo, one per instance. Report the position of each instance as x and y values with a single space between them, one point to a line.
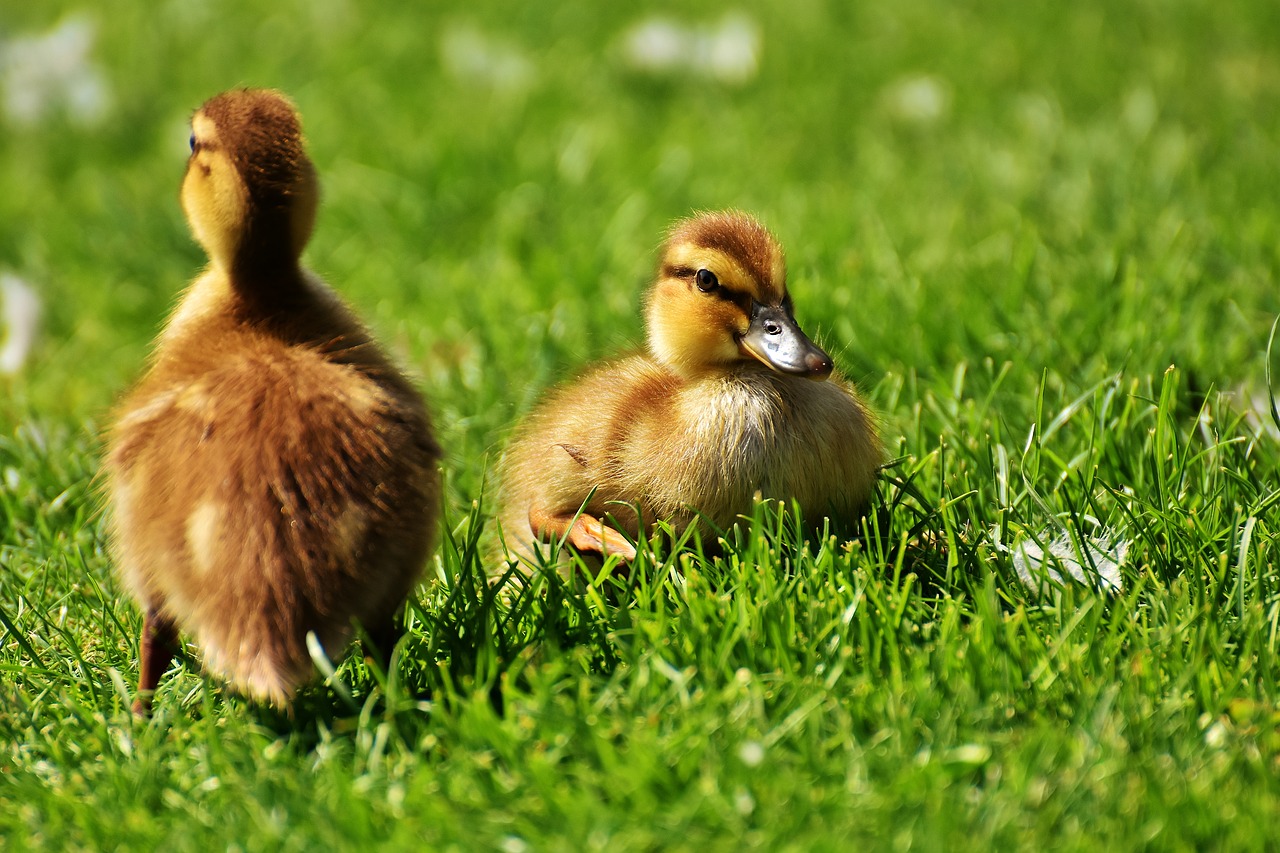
250 192
261 133
741 237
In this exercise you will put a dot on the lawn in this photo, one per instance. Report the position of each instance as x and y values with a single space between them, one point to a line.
1044 239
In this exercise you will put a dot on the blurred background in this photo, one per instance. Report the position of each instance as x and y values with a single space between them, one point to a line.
1036 193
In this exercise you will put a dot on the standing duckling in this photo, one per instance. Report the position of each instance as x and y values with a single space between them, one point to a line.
272 474
728 401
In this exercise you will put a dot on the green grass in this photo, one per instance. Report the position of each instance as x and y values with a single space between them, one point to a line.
1009 283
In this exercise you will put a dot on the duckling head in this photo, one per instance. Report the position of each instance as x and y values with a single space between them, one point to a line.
250 192
721 303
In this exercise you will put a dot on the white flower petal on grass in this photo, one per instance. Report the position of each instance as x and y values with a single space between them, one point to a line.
53 71
513 844
20 309
1215 736
1098 566
751 753
476 57
921 99
727 51
732 49
656 45
968 755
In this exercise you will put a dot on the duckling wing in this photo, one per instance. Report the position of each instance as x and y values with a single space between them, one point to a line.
567 467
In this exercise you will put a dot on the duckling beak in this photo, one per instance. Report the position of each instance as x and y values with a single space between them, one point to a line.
776 340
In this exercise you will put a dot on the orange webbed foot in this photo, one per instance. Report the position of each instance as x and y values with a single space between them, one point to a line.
584 532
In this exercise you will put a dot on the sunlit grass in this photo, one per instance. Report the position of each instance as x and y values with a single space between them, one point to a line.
1043 243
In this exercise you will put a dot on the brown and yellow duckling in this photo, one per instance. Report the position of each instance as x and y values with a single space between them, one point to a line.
724 405
272 474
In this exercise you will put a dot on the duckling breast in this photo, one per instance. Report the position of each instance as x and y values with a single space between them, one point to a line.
707 450
781 437
735 428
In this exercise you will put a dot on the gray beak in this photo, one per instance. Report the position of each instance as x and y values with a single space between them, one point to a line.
774 338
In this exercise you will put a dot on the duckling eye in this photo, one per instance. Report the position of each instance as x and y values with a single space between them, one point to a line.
706 280
192 142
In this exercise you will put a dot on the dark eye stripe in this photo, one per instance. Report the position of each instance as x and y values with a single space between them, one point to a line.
742 300
737 297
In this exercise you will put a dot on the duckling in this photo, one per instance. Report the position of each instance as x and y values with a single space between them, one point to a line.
272 474
731 400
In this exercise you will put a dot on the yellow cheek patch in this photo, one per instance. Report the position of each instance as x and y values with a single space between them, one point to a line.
689 330
213 194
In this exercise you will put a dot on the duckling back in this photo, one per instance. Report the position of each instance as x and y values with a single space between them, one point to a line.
273 474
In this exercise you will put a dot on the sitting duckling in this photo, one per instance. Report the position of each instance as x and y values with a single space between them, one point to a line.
723 406
272 474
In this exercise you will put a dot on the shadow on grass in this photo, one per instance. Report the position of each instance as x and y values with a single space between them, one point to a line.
471 637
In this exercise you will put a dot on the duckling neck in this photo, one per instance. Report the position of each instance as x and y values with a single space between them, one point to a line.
265 263
698 372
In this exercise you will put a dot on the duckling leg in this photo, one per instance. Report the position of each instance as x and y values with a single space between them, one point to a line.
584 532
381 641
158 644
